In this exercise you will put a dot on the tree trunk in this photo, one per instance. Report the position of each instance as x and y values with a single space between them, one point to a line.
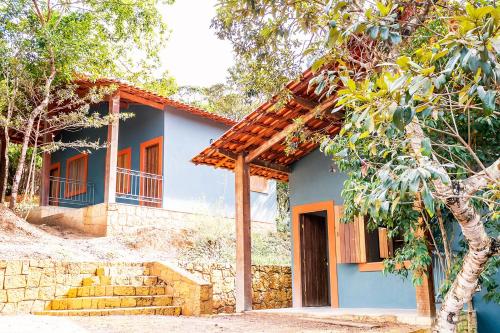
29 127
20 165
10 109
30 181
481 246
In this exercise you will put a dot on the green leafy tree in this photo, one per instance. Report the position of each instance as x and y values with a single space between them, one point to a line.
221 99
417 83
46 44
272 40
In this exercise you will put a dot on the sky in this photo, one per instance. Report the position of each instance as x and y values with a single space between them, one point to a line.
194 55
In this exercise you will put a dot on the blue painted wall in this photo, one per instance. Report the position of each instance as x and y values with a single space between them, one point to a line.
96 158
312 181
186 187
146 124
488 313
202 188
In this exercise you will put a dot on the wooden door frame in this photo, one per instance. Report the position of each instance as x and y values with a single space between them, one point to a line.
142 164
298 210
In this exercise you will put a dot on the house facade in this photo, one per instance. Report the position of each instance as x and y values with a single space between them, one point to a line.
334 264
143 176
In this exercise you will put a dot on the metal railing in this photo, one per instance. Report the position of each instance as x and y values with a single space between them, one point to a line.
63 191
146 188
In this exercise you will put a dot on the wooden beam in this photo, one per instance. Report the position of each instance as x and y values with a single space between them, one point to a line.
304 102
112 152
141 100
271 166
3 161
243 284
287 130
45 173
259 163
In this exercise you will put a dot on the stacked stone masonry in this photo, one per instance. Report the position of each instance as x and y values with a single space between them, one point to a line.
118 219
97 288
271 284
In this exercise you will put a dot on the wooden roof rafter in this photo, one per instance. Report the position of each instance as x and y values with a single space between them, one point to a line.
261 135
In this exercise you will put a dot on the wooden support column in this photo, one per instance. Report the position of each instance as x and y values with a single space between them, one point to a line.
426 306
424 293
45 174
45 180
112 151
243 287
3 148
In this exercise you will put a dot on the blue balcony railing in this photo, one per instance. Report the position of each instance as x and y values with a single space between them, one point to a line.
70 192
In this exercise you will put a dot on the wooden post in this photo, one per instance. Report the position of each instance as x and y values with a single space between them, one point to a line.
3 148
112 151
426 306
45 174
45 180
243 286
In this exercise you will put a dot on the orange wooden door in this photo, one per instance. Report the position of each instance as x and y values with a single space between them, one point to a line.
151 186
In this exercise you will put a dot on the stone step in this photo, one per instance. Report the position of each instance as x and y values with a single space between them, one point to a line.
132 280
118 290
127 271
147 310
136 280
109 302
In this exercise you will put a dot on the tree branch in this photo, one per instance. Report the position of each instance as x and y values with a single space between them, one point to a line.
488 176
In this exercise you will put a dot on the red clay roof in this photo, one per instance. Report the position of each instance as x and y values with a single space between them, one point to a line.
267 121
157 99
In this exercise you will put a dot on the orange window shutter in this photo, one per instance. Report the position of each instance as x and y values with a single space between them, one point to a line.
385 244
350 239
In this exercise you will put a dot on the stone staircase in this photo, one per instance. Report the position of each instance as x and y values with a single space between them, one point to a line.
124 290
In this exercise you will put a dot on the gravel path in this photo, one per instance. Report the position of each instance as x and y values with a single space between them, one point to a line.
152 324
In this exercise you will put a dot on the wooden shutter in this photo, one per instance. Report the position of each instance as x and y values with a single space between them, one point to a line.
385 244
350 239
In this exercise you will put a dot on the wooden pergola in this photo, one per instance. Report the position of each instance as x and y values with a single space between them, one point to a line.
256 146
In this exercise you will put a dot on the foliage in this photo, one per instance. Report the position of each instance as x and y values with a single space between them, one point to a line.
272 40
14 153
45 46
221 99
391 64
448 80
214 241
283 199
164 86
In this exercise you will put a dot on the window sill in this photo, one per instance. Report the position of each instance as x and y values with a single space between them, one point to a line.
377 266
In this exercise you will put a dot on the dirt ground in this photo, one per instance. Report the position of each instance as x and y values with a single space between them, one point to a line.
152 324
22 240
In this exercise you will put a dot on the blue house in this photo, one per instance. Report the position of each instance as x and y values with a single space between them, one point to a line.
334 265
143 176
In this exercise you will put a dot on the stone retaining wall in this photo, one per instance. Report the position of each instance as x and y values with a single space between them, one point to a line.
28 286
118 219
129 219
272 285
